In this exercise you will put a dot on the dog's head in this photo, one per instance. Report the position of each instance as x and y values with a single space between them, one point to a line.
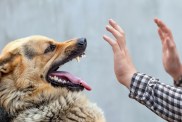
35 60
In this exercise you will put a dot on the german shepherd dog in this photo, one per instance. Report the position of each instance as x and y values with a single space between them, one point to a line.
33 90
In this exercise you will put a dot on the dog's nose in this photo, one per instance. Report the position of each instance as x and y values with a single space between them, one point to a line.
82 41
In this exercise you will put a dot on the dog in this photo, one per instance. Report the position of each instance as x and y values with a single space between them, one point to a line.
32 89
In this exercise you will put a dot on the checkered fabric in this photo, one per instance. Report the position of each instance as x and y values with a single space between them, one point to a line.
162 99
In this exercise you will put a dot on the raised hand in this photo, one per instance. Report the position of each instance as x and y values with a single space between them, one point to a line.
170 57
123 66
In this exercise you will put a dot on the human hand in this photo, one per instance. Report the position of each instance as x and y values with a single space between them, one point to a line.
170 57
123 66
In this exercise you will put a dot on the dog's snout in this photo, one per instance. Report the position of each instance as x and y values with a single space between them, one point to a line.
82 41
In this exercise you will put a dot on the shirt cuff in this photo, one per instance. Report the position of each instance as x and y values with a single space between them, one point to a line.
140 85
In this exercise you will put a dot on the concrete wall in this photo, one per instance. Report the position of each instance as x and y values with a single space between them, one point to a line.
65 19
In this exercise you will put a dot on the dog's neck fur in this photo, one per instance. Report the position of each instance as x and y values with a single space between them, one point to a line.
58 105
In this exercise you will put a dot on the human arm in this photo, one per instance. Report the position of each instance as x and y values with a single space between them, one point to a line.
164 100
123 66
143 88
170 56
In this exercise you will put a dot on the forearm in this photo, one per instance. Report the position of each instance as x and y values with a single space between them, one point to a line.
164 100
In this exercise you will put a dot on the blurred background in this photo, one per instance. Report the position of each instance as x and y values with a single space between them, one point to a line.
66 19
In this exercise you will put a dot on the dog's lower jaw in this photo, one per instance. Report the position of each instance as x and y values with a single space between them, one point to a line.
72 108
48 104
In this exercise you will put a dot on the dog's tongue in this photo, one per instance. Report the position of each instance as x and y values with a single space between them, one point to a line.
72 78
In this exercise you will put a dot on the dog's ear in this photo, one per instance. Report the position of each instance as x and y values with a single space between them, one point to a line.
7 62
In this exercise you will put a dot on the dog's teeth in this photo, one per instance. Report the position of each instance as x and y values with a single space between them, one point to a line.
59 80
50 77
55 78
83 55
78 59
63 81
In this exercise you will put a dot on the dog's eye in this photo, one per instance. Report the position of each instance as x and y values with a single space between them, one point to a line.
51 48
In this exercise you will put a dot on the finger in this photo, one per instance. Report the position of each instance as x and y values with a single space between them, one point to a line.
164 47
121 40
170 45
116 26
114 32
161 35
163 27
163 41
113 43
119 37
155 20
159 22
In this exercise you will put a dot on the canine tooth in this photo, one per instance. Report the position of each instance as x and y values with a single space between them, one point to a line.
55 78
78 59
83 56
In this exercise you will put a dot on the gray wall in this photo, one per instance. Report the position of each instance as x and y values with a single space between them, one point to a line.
65 19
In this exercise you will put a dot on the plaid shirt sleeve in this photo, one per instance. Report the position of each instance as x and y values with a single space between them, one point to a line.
164 100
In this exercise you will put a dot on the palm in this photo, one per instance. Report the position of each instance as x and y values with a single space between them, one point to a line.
171 60
123 66
120 60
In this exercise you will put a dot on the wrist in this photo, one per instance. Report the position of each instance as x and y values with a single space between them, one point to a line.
177 78
177 75
126 80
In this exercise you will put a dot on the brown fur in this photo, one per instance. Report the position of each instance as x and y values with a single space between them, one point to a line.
27 96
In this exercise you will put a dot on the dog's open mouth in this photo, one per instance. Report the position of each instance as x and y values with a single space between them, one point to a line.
66 79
